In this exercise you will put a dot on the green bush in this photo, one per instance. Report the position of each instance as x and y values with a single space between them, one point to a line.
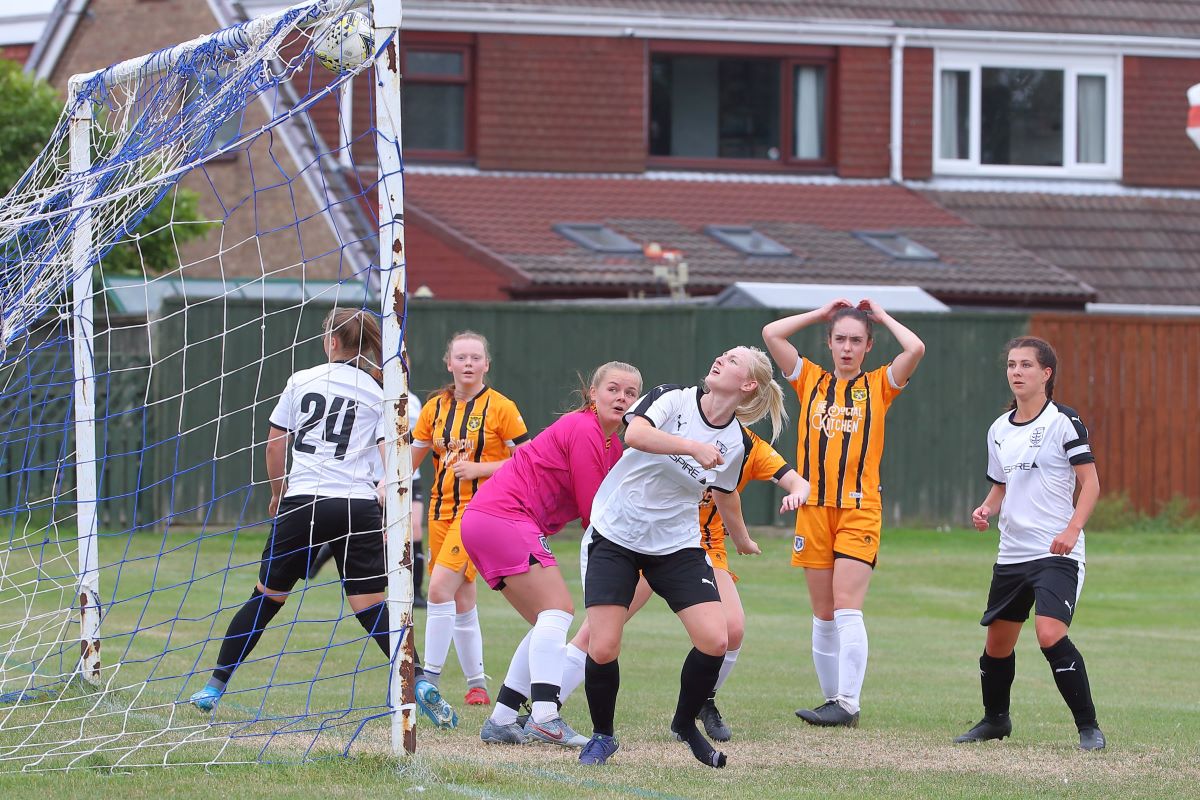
29 112
1116 512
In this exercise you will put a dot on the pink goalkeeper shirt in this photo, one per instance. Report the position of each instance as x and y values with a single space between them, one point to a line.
552 479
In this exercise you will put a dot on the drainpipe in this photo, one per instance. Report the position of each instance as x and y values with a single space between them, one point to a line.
897 108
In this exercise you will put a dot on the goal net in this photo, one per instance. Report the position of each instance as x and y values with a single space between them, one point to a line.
167 262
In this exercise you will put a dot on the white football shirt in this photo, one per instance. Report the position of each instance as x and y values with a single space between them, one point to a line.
334 413
648 502
1035 461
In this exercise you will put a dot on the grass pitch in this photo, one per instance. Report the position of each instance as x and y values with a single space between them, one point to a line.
1136 627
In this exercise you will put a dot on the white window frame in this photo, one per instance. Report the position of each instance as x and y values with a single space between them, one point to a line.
1109 67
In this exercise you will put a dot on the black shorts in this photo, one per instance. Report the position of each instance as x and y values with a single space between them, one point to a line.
418 491
684 578
353 529
1052 583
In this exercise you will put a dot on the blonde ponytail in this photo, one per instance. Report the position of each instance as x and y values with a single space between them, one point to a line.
767 399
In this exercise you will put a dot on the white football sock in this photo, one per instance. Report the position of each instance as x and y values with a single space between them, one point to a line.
852 656
517 679
726 668
825 655
439 627
468 643
573 667
547 651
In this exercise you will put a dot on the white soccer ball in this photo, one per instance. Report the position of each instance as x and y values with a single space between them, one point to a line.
346 44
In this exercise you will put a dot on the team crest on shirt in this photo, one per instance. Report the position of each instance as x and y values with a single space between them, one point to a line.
859 395
1035 437
798 544
474 423
721 448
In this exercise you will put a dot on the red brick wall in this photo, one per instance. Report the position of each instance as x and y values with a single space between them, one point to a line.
16 52
917 158
863 111
447 271
1157 149
560 103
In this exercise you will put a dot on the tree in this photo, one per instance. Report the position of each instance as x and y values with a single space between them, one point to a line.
29 111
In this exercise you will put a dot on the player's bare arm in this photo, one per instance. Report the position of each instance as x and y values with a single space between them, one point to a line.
276 457
797 491
776 334
729 506
989 506
905 364
1088 480
642 435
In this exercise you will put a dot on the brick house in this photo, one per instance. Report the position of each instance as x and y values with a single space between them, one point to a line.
1043 147
21 28
1033 158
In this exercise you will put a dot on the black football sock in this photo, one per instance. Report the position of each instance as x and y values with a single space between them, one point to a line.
245 629
1071 677
601 682
418 568
374 620
510 698
696 682
996 678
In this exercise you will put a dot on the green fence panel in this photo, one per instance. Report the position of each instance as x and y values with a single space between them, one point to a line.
934 460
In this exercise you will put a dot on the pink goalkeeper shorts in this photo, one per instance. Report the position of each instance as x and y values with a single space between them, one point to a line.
500 547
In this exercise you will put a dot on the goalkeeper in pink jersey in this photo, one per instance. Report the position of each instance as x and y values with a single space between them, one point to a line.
547 483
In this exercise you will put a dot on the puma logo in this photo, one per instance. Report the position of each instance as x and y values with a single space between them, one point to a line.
1068 605
710 583
1067 669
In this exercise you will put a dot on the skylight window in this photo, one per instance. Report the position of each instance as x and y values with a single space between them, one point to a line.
597 238
896 245
746 240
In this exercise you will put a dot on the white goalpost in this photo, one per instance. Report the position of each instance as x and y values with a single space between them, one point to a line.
166 265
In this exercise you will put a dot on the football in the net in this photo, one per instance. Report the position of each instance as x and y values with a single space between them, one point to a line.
346 43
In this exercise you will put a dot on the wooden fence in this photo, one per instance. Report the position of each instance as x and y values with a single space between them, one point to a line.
1135 382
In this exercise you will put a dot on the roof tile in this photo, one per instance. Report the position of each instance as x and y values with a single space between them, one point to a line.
1131 249
511 215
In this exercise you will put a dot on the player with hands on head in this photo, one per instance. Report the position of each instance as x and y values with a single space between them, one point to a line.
680 442
330 419
839 449
1039 459
547 483
471 429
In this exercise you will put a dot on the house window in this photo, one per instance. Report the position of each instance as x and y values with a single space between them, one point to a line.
1006 115
746 240
734 107
598 238
436 100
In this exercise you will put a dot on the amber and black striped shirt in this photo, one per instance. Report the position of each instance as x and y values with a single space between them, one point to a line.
483 428
840 441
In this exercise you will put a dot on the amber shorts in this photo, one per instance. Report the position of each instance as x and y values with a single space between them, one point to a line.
719 558
446 547
824 533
